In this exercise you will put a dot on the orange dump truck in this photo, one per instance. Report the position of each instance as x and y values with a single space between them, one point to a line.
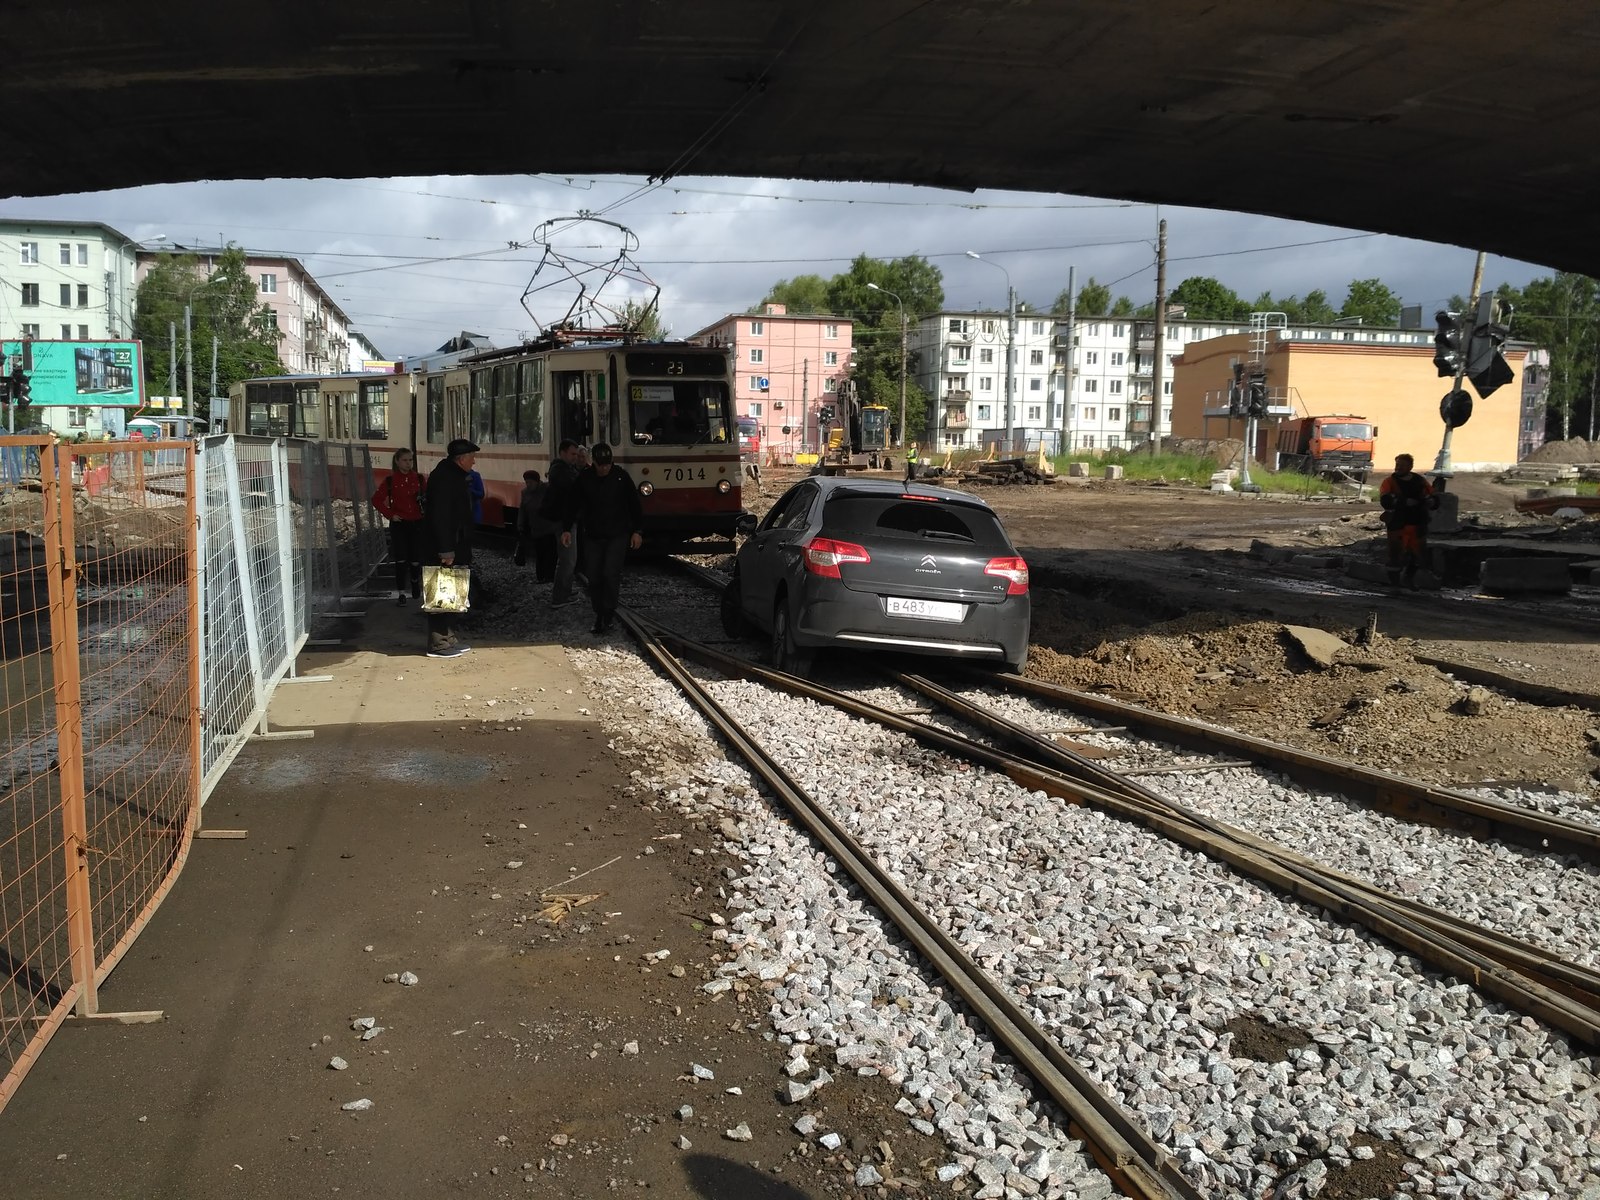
1327 446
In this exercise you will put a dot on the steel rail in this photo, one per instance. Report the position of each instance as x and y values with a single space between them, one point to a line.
1574 981
1404 798
1133 1160
1360 905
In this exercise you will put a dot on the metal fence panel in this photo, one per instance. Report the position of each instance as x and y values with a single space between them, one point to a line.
99 784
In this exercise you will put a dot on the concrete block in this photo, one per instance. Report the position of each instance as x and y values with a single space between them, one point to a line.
1113 472
1078 470
1524 576
1267 552
1320 562
1447 517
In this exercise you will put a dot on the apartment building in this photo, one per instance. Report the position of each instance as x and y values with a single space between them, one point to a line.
785 367
961 360
65 281
316 331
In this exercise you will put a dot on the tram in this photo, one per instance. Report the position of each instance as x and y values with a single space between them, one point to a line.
665 408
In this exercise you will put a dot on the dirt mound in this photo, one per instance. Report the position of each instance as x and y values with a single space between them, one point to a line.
1226 451
1573 450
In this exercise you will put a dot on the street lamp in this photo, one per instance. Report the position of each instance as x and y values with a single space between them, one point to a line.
901 303
1011 335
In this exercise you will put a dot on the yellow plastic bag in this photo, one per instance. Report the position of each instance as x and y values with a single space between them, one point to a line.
444 589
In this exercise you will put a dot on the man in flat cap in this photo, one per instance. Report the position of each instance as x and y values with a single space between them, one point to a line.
604 507
449 529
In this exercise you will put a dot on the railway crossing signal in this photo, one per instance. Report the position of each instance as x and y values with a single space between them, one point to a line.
1486 365
1256 403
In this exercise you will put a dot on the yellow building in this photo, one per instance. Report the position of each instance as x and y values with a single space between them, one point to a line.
1386 376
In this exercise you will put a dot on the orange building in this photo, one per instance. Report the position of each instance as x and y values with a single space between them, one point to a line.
1384 375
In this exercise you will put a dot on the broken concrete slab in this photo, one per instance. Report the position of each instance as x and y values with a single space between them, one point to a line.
1524 576
1320 646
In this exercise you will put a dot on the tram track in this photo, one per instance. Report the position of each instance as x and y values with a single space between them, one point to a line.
1564 995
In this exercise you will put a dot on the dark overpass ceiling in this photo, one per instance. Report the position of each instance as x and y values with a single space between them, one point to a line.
1469 122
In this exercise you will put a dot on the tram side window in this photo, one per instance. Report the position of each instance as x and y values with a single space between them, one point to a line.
505 402
530 402
374 410
307 411
681 413
267 408
482 405
436 410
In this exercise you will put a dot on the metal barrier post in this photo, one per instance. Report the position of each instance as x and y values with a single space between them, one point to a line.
246 577
61 576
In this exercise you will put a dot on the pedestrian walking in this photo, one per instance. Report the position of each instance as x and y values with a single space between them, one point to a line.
557 498
604 509
536 533
911 461
1408 502
399 499
449 527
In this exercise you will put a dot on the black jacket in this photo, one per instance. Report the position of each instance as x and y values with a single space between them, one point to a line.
604 507
558 495
449 512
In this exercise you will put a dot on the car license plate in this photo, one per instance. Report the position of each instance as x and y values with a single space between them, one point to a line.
926 610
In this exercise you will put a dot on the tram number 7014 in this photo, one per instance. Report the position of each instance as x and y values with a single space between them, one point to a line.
683 474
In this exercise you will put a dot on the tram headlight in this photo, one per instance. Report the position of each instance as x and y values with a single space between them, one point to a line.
724 486
647 488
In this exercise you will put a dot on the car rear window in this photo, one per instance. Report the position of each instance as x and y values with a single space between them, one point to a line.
867 516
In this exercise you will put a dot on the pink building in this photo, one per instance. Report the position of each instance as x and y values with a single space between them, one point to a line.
784 368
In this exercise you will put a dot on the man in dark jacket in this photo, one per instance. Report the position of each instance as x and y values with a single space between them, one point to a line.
557 499
605 509
449 532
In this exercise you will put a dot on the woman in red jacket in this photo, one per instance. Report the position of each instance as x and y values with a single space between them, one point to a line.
399 497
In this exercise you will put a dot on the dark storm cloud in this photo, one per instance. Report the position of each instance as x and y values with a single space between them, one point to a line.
414 261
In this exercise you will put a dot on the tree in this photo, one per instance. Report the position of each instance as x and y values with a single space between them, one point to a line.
1206 299
1371 301
876 339
222 305
1094 300
1562 314
1315 309
1124 308
645 322
802 294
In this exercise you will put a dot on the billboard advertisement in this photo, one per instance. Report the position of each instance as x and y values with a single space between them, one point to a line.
78 373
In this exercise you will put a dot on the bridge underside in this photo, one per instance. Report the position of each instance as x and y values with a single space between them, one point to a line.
1474 122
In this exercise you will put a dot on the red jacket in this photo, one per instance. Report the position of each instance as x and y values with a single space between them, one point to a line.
399 497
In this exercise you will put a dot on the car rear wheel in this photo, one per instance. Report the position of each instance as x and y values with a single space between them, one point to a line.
733 622
786 656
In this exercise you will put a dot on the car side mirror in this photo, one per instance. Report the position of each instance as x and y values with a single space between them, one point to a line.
745 524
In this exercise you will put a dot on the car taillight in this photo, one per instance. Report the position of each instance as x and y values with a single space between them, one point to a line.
823 556
1014 571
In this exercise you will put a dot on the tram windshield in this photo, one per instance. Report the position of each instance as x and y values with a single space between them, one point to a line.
684 412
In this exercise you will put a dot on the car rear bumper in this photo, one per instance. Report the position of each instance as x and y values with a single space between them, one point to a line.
996 632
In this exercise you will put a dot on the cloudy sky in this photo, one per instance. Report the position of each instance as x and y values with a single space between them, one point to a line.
413 261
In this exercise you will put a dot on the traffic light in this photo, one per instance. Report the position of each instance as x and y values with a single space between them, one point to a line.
1256 397
5 390
825 413
1456 408
21 394
1447 344
1486 365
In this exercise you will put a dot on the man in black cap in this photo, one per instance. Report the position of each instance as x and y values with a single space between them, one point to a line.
604 505
449 530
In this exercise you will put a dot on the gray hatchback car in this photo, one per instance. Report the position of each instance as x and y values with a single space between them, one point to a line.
880 565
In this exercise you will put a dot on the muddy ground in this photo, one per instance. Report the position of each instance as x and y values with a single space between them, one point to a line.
1150 592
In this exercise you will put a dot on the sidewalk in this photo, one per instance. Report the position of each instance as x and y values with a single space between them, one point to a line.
416 832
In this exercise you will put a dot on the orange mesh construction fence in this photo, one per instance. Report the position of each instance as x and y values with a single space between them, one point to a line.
99 688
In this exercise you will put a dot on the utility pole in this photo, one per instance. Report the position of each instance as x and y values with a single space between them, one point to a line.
1011 356
1071 341
215 341
172 358
1442 462
1158 375
903 329
805 399
188 363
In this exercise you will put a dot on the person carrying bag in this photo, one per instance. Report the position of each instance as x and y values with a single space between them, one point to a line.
449 529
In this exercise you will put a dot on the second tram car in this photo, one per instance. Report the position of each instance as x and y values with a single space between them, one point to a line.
665 408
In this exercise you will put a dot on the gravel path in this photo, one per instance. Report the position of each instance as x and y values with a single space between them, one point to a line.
1140 955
